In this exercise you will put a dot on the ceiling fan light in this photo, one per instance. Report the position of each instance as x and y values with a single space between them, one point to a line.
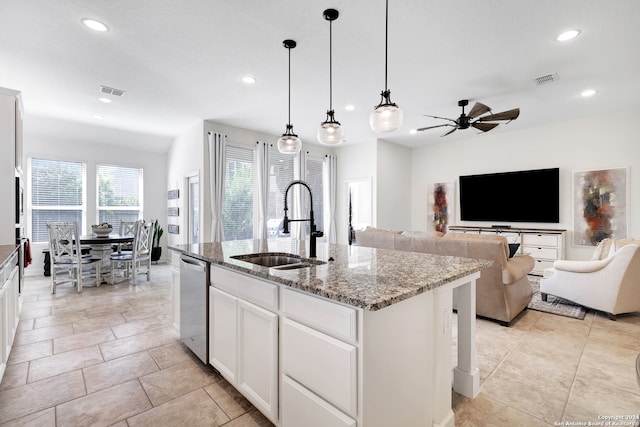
386 118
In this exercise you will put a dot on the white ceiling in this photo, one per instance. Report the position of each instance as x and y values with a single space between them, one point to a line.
181 62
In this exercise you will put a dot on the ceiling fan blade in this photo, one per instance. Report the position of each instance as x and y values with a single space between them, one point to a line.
432 127
450 132
505 115
484 127
478 109
441 118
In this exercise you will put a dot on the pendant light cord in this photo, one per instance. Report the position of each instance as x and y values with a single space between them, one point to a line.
289 118
330 67
386 43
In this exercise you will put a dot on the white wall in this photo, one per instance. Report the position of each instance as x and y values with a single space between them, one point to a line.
95 151
393 186
354 162
595 143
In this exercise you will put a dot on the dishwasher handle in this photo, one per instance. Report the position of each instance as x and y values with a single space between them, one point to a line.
192 264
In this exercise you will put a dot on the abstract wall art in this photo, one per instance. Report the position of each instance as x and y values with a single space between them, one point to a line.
600 205
441 206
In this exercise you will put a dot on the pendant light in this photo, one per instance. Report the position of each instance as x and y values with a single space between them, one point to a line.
386 117
330 131
289 143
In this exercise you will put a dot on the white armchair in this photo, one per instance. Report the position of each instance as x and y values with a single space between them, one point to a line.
611 284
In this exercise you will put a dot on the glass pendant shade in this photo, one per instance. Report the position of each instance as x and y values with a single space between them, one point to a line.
289 143
330 132
386 118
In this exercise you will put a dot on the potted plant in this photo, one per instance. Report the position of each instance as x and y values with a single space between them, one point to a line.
156 249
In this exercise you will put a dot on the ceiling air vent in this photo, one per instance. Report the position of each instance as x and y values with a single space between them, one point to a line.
549 78
111 91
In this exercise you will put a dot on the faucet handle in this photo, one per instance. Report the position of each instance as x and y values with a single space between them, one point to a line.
317 233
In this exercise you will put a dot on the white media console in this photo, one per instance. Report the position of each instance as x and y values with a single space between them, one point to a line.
544 245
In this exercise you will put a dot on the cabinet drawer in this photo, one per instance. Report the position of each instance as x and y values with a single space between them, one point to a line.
303 408
541 253
257 291
540 266
325 316
540 240
323 364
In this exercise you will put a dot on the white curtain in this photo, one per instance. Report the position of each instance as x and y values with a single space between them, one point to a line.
299 172
329 178
263 189
217 145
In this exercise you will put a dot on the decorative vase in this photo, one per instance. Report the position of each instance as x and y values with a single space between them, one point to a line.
156 252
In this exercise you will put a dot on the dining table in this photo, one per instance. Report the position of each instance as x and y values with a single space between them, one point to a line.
103 246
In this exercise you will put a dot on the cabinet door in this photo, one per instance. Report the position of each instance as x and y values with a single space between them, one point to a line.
223 332
258 357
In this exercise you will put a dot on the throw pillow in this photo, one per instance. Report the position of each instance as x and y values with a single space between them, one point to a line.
513 248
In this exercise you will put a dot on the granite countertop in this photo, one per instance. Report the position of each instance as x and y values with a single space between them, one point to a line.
363 277
5 253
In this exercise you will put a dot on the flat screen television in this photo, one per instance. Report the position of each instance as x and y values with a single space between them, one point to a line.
520 196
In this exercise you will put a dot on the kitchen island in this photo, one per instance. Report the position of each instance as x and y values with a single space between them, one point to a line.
363 339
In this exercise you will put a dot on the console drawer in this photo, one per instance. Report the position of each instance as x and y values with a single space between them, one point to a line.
541 253
540 266
540 240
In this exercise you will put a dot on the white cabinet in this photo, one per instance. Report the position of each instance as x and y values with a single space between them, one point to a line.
319 361
243 339
9 309
545 248
544 245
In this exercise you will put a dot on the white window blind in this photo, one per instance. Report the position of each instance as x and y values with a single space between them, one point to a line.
314 179
238 205
57 190
280 175
119 194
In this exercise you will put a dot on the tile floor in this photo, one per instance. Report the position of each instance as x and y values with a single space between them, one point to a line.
109 356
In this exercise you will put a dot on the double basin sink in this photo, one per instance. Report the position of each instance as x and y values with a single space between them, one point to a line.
279 260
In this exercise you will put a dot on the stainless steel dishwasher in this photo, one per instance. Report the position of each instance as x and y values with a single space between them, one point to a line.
194 297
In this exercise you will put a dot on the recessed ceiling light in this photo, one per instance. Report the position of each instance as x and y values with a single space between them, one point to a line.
587 93
413 131
568 35
97 116
105 100
94 25
350 107
249 80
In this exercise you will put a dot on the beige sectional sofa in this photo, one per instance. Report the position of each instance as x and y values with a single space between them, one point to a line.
502 291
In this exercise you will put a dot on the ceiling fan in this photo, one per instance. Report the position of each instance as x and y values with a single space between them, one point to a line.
482 123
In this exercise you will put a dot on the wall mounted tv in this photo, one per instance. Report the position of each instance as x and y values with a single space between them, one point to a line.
520 196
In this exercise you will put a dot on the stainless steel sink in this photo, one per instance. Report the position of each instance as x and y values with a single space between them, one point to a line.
282 261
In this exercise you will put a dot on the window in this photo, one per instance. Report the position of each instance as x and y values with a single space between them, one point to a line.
314 176
57 194
280 175
119 194
238 205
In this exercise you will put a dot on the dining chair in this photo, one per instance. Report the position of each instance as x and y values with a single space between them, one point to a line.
127 228
66 257
138 261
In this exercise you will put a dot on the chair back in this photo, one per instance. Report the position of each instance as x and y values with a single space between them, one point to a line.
64 242
143 240
128 227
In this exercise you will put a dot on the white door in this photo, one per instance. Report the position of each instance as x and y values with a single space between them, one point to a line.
223 332
258 357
